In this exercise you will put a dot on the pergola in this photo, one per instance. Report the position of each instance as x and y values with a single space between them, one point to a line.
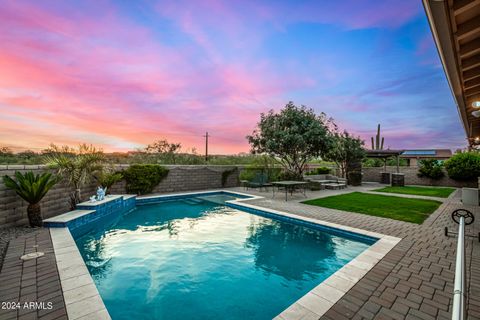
385 155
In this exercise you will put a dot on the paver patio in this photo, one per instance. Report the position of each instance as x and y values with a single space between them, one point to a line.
413 281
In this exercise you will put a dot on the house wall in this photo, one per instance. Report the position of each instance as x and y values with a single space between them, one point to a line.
372 174
13 210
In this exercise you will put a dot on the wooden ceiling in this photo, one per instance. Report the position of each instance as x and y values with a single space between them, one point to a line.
455 26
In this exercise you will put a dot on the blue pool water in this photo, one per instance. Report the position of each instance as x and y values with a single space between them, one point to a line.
198 259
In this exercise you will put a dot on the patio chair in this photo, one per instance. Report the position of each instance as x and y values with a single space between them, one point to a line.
259 181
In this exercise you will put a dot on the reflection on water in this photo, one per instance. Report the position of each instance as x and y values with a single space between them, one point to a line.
278 245
198 260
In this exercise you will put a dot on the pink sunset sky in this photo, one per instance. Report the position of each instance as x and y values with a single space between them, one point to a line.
121 75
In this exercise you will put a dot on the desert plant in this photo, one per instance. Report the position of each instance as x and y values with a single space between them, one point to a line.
378 145
77 166
430 168
143 178
463 166
32 188
106 178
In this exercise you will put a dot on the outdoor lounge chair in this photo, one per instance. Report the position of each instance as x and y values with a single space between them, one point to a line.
326 181
259 181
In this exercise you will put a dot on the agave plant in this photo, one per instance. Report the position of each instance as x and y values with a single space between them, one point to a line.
76 166
31 188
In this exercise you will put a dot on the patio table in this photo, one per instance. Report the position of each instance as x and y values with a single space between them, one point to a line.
290 186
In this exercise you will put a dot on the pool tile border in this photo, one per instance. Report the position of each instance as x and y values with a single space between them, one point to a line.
83 300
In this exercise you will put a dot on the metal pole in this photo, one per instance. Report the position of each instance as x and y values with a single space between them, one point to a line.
398 164
458 310
206 146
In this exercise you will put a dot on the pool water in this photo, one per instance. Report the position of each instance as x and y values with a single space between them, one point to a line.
198 259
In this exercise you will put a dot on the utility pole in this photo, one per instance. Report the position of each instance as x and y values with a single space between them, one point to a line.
206 146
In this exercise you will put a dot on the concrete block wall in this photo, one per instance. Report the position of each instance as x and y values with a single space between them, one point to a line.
13 210
372 174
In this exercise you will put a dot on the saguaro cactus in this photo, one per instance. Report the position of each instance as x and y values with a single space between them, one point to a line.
377 144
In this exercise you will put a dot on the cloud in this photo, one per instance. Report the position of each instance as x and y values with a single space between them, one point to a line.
122 75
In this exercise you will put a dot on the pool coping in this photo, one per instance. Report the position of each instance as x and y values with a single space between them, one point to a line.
83 301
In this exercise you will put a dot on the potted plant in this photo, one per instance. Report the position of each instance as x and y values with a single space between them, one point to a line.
31 188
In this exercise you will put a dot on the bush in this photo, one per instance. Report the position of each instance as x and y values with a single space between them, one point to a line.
250 173
463 166
143 178
319 170
226 174
431 168
289 176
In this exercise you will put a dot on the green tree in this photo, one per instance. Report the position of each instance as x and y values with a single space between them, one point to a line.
430 168
77 166
293 136
31 188
5 151
463 166
164 148
347 152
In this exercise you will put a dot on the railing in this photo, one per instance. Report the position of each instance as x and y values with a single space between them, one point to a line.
463 218
459 294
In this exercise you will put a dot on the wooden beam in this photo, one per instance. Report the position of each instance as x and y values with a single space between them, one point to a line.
471 62
461 6
472 83
470 48
468 28
470 99
472 91
472 73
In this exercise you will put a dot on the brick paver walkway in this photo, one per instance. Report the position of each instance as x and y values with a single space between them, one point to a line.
415 279
31 281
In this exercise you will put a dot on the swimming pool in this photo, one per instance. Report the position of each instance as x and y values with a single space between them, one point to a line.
195 258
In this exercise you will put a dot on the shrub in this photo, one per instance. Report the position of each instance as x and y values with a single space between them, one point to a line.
319 170
143 178
430 168
249 174
289 176
107 178
463 166
226 174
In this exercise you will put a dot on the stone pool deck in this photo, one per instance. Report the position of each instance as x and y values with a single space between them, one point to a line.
413 281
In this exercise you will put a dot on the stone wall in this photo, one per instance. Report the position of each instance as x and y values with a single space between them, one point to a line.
373 175
13 210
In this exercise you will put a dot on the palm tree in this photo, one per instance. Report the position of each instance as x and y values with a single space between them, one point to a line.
31 188
77 166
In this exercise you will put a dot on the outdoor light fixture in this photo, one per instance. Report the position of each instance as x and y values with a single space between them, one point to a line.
476 113
476 104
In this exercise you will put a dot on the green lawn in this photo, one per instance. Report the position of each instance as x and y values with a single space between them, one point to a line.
403 209
419 191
